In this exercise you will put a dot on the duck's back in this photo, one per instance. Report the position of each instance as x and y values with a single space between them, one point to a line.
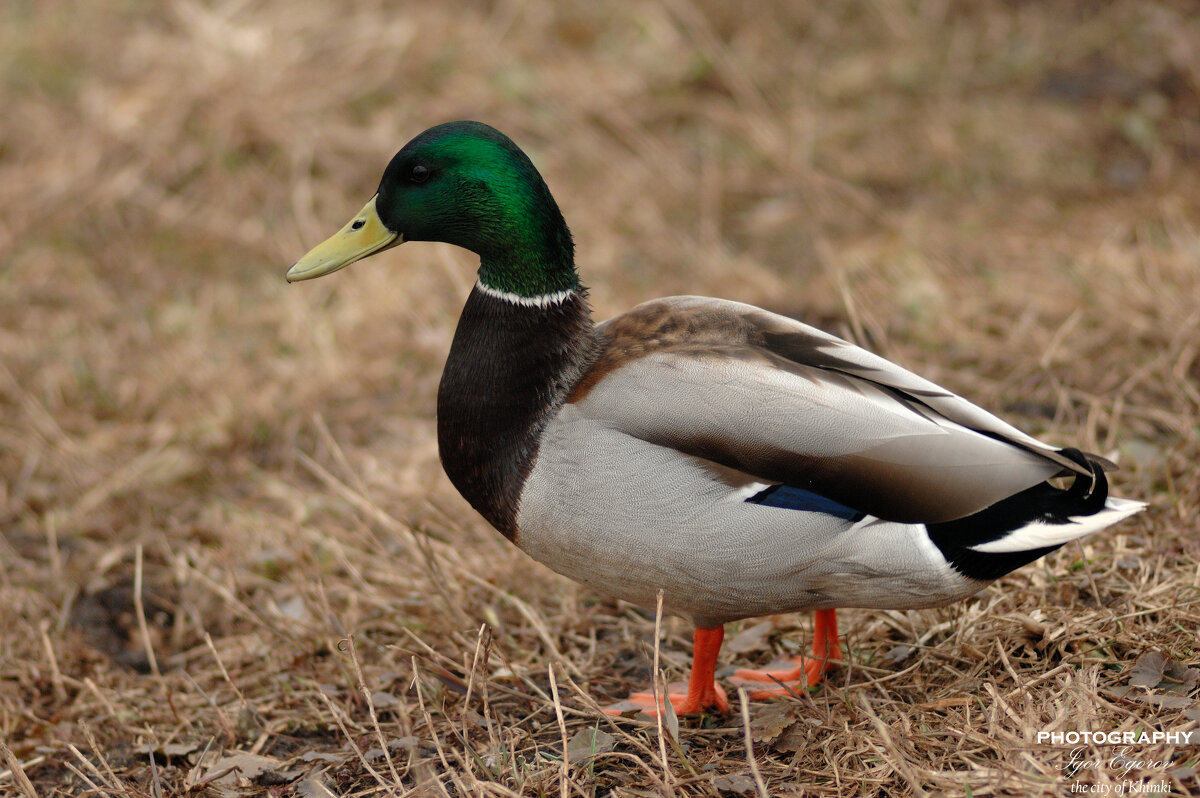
785 402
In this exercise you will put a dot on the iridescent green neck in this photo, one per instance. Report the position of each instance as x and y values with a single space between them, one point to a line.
529 273
529 250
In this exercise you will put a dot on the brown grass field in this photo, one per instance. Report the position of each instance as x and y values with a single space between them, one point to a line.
231 564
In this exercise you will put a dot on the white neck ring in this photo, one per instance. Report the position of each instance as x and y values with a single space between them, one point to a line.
543 301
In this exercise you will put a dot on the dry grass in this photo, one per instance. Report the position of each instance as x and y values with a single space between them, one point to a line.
227 542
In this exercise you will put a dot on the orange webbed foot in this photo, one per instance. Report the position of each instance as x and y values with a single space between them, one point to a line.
681 698
797 673
778 679
701 692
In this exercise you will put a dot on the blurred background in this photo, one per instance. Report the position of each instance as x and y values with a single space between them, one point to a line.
200 463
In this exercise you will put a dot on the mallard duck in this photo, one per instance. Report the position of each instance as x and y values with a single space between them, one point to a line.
738 461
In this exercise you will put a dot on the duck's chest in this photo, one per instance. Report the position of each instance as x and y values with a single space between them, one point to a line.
508 369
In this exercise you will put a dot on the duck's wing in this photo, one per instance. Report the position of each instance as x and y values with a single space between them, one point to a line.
786 403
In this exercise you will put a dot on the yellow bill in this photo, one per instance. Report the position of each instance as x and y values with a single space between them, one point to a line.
363 235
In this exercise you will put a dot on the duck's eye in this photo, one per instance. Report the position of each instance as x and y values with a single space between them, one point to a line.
419 173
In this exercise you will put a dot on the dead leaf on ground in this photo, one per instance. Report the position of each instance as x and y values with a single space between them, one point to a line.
587 743
176 749
384 701
795 739
1148 669
750 639
406 744
1158 681
229 768
738 783
771 721
896 655
1140 696
324 756
1153 669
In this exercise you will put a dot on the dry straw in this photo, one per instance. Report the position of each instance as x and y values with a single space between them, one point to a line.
208 475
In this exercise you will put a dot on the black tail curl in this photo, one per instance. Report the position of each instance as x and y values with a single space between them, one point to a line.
1087 496
1042 503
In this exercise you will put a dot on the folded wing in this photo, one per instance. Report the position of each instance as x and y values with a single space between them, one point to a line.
788 404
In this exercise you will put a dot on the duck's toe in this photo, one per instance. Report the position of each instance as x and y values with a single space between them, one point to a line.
684 701
787 677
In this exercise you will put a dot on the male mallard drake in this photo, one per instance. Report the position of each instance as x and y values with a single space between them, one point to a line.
739 461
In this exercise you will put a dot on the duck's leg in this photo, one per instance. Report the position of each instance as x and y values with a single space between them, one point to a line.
702 690
806 672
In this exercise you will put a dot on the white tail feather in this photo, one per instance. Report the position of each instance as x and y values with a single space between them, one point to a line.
1039 534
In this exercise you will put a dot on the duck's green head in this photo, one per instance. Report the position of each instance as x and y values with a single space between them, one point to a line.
467 184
